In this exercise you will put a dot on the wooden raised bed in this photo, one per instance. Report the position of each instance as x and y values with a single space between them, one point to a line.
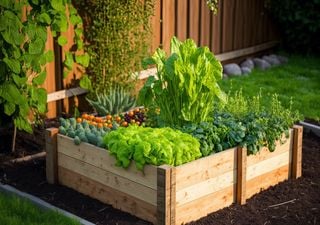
166 194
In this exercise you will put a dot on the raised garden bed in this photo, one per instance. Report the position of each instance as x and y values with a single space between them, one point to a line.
166 194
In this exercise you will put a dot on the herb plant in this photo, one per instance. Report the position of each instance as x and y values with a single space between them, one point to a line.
186 85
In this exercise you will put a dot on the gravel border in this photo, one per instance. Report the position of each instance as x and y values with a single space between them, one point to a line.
40 203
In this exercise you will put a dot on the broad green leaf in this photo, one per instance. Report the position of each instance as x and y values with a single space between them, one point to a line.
66 73
11 93
75 20
41 94
10 28
41 33
30 29
62 40
85 82
23 124
78 32
58 5
35 2
83 59
9 108
49 56
44 18
68 62
37 46
16 52
40 79
6 3
13 64
19 80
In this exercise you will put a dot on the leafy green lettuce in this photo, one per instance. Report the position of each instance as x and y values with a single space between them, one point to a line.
154 146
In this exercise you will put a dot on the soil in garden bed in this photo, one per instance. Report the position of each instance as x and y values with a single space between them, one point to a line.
290 202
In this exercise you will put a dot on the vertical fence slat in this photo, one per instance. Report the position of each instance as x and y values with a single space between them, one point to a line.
194 20
168 23
156 27
205 24
227 29
216 30
182 16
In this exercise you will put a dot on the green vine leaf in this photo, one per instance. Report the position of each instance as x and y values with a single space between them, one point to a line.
44 18
85 82
75 20
19 80
68 62
13 64
83 59
6 3
22 124
58 5
49 56
62 40
9 108
10 26
37 46
40 79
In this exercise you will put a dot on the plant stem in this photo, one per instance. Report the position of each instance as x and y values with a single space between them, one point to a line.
13 149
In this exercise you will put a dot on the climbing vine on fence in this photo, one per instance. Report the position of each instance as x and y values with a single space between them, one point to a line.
119 34
23 56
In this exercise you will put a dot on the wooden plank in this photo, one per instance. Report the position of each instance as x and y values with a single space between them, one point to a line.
227 27
101 158
205 24
51 156
50 82
109 179
173 192
203 206
168 23
238 25
216 30
206 187
163 195
108 195
156 27
264 153
266 180
297 152
268 165
246 51
194 19
182 17
205 168
58 95
241 175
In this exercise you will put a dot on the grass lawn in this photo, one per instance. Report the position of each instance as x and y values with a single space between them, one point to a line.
17 211
299 79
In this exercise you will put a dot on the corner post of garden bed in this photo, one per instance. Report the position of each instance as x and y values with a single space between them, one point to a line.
297 152
241 175
166 195
51 156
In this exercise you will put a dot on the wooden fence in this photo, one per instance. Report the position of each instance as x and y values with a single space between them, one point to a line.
241 28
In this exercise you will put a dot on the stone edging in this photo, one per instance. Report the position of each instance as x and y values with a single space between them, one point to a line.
40 203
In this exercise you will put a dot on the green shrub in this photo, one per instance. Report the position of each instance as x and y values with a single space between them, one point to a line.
299 23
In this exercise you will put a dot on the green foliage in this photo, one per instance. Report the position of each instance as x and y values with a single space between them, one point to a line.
298 79
213 5
16 210
118 33
251 126
154 146
23 56
186 87
113 102
299 22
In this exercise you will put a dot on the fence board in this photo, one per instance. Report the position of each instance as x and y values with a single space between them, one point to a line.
238 25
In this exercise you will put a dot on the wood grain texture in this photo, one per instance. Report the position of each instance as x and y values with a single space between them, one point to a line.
194 19
168 23
108 195
156 27
266 180
297 152
205 168
101 158
204 24
182 19
51 156
109 179
241 175
205 205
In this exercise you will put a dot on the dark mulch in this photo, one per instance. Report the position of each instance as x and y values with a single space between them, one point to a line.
303 194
